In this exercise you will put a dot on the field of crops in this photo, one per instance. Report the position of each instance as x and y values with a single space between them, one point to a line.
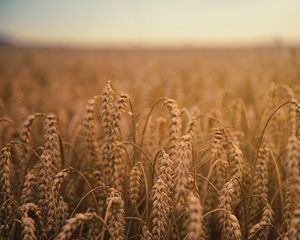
150 144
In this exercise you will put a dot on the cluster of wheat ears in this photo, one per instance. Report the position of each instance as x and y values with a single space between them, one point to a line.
174 174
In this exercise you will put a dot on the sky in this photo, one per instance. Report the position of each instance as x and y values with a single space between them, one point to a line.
151 22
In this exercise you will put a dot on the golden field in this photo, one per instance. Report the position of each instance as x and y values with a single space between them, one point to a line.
150 144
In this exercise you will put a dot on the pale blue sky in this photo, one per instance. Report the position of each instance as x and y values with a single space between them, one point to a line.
154 22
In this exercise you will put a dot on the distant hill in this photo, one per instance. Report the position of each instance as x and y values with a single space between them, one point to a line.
5 41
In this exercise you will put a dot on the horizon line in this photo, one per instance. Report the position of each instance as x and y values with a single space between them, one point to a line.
10 40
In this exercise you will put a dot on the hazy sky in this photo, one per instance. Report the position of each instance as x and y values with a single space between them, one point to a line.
162 22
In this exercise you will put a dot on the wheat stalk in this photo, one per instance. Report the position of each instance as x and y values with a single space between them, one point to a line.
72 224
116 214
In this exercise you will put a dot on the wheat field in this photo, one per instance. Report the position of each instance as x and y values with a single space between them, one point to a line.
150 144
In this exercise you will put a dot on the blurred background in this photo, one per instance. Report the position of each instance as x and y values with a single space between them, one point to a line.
141 23
55 55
